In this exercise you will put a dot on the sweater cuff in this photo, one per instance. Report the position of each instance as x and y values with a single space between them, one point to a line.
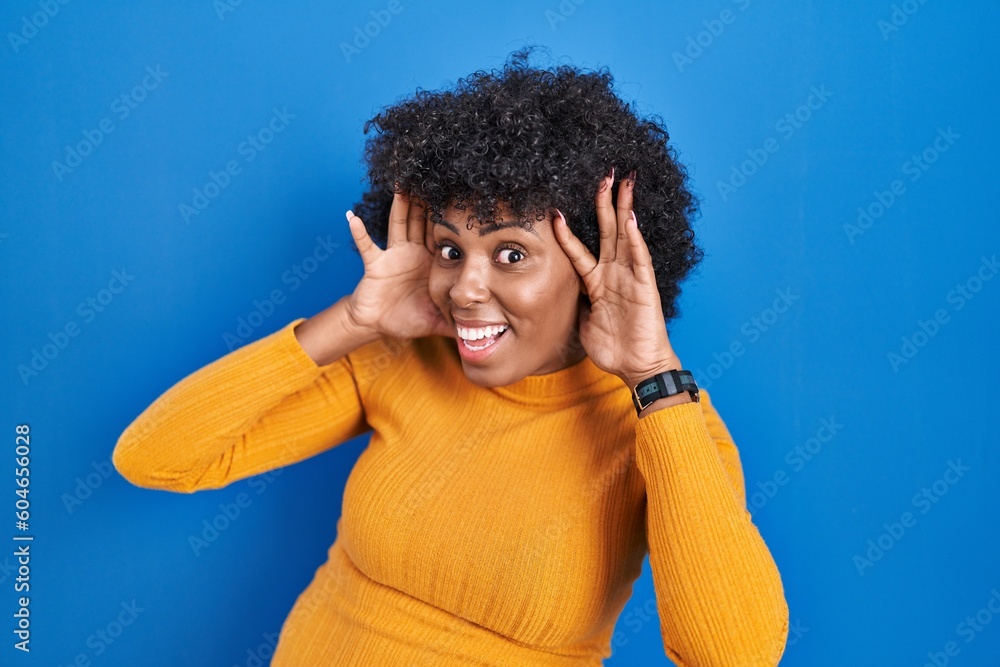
286 341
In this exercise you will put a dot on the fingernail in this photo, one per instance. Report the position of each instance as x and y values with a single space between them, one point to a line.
612 174
349 213
631 177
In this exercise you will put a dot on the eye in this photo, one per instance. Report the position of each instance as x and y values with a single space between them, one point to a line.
444 250
516 254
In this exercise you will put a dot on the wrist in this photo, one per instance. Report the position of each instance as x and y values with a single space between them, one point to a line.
349 323
650 397
331 334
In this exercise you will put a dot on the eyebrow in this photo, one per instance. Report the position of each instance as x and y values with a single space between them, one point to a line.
483 231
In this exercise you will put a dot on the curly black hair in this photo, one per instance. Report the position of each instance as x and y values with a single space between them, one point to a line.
532 139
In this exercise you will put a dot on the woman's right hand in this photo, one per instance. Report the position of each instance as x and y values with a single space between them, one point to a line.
392 297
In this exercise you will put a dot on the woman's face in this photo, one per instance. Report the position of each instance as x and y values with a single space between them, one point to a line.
506 275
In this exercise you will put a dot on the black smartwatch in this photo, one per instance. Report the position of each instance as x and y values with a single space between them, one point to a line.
662 385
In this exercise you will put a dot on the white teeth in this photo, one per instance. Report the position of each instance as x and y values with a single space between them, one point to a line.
484 332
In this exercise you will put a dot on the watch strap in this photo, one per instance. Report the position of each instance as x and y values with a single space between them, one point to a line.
662 385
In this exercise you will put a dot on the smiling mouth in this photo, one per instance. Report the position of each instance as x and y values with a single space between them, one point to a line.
486 342
480 338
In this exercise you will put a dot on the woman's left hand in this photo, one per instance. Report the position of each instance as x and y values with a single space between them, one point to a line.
623 330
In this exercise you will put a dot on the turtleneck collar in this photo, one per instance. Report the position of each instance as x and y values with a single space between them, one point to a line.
568 383
562 388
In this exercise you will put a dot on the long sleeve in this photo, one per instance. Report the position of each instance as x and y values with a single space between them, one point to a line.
260 407
720 597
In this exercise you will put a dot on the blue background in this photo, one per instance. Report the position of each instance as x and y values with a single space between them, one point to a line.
855 295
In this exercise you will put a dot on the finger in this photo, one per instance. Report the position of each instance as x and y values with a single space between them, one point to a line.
584 313
429 233
366 246
642 262
415 221
623 252
581 257
397 219
606 219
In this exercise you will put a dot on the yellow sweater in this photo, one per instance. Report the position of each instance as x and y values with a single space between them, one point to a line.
501 526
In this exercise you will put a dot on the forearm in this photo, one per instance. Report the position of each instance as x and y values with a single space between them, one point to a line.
260 407
708 559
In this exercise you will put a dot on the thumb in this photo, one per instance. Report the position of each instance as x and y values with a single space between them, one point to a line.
366 247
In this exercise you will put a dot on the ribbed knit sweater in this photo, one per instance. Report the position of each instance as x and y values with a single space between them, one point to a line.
496 526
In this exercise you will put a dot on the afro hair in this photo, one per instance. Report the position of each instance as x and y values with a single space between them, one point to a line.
532 139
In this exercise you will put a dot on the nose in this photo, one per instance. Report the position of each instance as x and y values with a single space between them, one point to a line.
471 284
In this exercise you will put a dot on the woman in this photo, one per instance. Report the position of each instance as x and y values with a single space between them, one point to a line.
509 493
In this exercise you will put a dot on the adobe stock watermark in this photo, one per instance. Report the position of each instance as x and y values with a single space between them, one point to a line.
363 36
559 524
968 629
562 12
431 484
87 310
121 108
392 348
229 513
32 23
795 633
86 485
924 500
959 296
698 43
261 656
294 276
103 637
786 127
898 16
248 150
7 569
223 7
797 458
752 330
636 620
914 169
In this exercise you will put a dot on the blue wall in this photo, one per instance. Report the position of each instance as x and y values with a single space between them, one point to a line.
844 154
